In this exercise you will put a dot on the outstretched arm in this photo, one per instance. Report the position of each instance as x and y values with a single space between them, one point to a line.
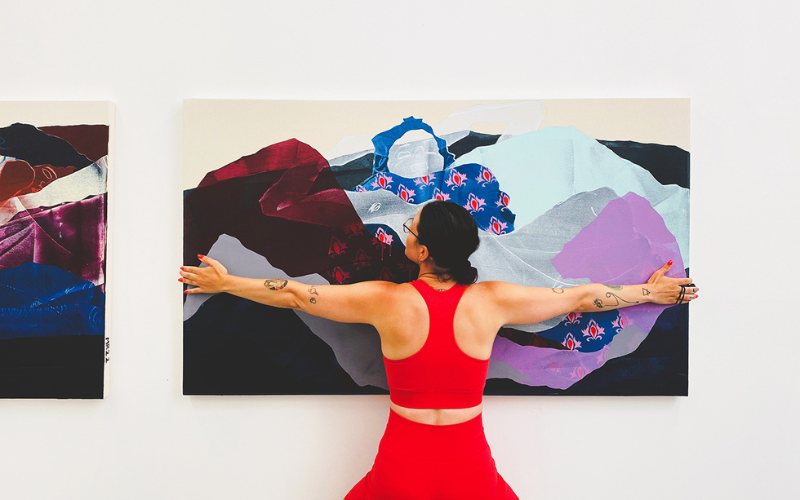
357 303
523 305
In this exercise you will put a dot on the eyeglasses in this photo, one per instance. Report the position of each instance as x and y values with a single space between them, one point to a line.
407 227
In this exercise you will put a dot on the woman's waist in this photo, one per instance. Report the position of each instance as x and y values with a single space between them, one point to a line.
421 440
438 416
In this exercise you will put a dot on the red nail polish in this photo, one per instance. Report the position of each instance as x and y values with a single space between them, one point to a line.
180 279
669 263
201 257
186 291
181 268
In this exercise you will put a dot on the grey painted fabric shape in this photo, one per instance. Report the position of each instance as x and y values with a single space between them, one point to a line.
357 347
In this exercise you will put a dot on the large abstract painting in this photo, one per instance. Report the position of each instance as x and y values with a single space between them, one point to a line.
54 161
564 192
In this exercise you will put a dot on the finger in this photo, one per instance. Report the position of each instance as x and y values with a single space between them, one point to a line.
193 290
660 272
207 260
685 281
188 273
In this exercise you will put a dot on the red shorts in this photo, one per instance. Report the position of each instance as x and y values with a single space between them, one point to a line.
437 462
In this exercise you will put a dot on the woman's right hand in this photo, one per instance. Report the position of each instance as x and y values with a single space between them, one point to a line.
210 279
670 291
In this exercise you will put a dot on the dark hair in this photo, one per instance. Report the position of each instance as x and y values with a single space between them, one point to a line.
451 235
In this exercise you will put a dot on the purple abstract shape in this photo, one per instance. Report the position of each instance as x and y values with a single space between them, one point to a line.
551 367
69 236
624 245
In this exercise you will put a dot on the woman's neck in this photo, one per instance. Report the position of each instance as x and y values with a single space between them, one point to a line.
438 280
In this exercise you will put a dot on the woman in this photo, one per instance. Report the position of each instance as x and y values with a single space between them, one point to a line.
436 336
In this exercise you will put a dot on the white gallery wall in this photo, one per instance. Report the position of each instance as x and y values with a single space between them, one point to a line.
734 437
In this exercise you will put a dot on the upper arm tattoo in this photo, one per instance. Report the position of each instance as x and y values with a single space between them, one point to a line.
276 284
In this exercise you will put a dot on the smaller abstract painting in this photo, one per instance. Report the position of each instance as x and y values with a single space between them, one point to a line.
54 163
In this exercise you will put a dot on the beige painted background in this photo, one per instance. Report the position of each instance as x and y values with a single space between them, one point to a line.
218 131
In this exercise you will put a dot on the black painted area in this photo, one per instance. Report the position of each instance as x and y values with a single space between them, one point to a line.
354 172
236 346
668 164
472 141
26 142
52 367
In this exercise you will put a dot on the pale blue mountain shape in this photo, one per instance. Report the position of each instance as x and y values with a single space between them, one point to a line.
543 168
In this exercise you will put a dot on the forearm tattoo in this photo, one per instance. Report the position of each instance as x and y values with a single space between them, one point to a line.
645 291
276 284
614 287
313 291
557 290
616 298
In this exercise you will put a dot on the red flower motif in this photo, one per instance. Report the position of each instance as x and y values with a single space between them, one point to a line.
337 247
362 260
502 199
425 180
439 195
593 331
339 275
455 179
382 181
353 230
578 373
405 195
497 226
573 318
570 342
383 236
474 204
485 176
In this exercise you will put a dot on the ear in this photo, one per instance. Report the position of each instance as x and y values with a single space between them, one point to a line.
423 254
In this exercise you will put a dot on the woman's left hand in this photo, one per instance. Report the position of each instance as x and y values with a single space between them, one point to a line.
666 290
211 279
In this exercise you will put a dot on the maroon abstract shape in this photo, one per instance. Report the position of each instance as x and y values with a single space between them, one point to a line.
17 178
529 339
284 203
89 140
69 236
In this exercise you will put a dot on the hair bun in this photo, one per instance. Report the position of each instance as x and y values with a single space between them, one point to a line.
451 235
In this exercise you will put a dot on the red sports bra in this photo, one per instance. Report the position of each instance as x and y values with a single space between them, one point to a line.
440 374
